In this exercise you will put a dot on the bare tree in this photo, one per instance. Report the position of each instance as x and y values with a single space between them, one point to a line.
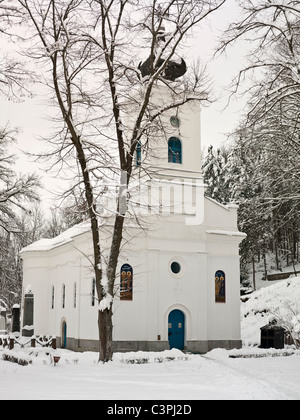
15 190
272 31
16 195
14 77
90 49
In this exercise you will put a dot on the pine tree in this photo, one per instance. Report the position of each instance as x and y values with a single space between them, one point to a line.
214 173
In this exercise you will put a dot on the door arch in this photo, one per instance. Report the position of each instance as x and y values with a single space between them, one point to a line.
176 329
64 334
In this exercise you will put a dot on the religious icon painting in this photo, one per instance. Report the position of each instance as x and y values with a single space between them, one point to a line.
126 282
220 286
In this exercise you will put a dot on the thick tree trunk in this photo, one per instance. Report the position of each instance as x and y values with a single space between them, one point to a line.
105 326
105 321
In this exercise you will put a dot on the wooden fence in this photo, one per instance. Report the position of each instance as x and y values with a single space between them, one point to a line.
44 341
280 276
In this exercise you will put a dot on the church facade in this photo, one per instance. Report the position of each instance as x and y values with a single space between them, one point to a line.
179 275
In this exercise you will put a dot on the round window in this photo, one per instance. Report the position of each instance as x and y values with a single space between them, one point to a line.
175 267
175 122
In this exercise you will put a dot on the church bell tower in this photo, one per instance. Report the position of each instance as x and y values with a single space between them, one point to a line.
173 145
168 158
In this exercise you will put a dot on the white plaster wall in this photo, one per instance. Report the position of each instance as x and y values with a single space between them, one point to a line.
35 273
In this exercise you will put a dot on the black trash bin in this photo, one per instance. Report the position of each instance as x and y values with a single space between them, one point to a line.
272 336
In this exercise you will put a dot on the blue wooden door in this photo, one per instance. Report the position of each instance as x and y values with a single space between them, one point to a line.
176 330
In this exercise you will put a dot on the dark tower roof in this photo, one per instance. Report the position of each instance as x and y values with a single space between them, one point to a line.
172 71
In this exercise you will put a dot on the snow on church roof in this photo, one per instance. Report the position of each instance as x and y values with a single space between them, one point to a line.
226 233
62 239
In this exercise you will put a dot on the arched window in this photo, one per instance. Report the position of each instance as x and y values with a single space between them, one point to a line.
220 287
126 282
52 297
63 296
64 334
175 150
138 154
75 295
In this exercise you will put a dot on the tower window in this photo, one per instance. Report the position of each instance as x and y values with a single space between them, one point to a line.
175 150
138 154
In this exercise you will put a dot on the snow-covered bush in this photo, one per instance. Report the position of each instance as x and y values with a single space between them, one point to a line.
279 301
15 357
289 318
136 360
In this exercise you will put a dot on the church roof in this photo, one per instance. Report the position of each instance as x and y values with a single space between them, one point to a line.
172 68
62 239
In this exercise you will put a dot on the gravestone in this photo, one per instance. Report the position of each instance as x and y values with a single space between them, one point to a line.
15 319
28 329
3 324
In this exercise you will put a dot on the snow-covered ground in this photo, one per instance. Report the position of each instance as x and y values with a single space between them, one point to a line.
212 377
171 375
277 300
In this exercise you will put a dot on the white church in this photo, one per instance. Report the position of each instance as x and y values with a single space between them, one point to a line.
179 275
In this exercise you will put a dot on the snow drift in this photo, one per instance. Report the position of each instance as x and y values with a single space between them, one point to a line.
280 301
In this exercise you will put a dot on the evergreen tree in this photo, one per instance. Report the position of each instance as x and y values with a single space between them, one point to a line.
215 174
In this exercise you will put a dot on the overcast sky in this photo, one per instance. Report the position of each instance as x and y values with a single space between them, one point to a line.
30 116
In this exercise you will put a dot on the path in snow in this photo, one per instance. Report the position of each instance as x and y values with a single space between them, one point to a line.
199 378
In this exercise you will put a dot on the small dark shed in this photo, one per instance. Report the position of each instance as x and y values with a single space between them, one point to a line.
272 336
